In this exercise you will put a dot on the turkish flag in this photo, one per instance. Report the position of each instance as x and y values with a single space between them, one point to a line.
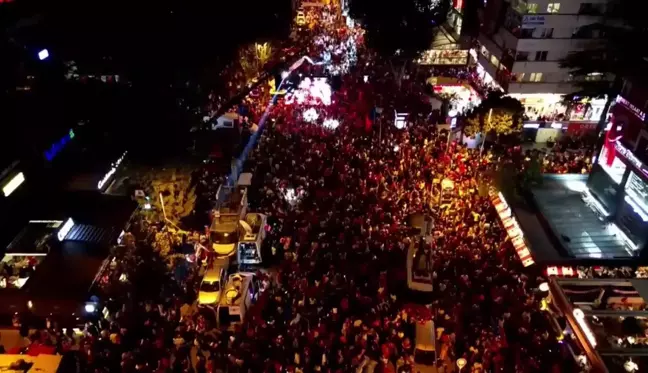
611 137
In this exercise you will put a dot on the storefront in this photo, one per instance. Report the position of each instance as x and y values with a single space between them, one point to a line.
540 106
462 97
587 109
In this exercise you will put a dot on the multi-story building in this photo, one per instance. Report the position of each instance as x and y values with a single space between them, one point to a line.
522 42
619 179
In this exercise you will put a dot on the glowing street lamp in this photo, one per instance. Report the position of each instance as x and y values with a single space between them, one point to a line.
43 54
461 362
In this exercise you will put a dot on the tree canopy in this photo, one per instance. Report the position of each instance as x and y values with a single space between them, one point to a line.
612 51
400 29
505 117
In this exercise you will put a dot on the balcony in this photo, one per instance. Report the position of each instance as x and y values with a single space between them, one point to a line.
536 67
542 87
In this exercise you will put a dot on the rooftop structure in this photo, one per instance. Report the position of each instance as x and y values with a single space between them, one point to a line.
608 319
52 264
557 223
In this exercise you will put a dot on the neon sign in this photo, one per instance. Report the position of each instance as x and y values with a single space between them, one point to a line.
56 148
635 110
112 171
65 229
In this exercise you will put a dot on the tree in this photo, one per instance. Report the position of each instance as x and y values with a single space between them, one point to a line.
497 114
614 58
400 30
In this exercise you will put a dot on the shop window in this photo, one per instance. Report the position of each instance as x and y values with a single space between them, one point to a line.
553 7
522 56
532 8
535 77
541 56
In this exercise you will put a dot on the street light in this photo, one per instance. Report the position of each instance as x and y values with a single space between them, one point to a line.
461 362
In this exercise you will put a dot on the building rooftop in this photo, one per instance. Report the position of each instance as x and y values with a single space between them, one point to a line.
561 227
580 230
34 238
609 318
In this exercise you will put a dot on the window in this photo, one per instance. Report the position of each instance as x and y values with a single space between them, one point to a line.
522 56
532 8
546 33
518 77
553 7
591 9
527 33
541 56
535 77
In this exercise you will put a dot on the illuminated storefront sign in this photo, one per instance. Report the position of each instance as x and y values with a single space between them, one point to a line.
112 171
65 229
628 105
56 148
13 184
579 315
627 154
561 271
444 57
512 229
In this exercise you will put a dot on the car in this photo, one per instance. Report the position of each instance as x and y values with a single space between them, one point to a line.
211 286
301 18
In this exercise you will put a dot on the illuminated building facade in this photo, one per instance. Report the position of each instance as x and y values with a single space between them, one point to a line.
619 180
522 42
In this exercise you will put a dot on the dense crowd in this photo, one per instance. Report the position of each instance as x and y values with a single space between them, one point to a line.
339 301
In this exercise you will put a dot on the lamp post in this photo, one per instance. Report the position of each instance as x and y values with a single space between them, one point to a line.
488 124
461 362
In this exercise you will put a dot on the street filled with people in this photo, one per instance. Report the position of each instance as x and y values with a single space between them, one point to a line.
340 186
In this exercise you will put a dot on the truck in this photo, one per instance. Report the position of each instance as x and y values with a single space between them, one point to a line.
251 239
224 228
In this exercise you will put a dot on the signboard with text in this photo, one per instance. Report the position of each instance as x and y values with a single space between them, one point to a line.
532 21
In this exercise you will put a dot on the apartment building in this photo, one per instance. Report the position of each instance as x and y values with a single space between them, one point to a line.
521 44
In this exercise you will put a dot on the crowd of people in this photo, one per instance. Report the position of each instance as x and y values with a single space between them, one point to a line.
339 301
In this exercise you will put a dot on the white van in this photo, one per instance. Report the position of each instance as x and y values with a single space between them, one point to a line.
425 354
241 291
226 121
